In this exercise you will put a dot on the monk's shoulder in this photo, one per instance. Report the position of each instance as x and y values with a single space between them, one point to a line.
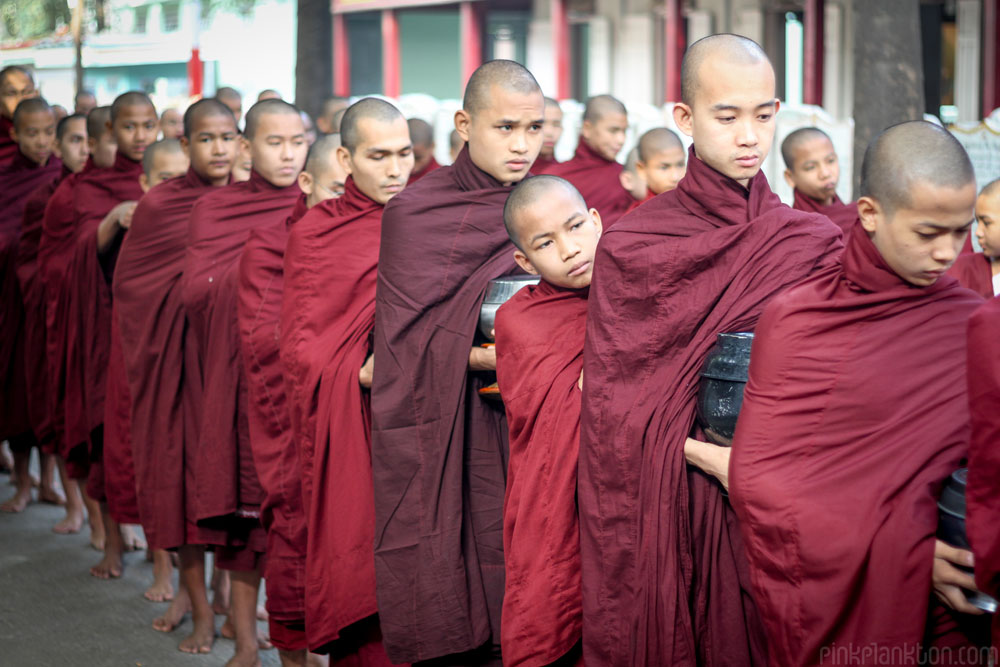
986 318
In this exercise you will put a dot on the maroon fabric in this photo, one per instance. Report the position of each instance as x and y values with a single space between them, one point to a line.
544 165
327 320
260 295
286 635
151 324
428 168
854 416
439 452
974 272
227 493
539 334
968 248
8 147
664 573
118 461
597 180
636 204
843 215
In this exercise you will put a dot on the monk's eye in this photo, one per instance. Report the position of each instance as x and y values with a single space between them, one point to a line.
506 128
726 119
764 117
925 236
536 128
577 225
544 244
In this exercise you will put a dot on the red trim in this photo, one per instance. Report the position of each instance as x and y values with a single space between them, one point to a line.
560 43
673 49
390 54
471 30
991 56
341 58
812 74
196 73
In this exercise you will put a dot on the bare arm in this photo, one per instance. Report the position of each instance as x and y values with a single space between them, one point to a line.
712 459
367 371
483 359
119 218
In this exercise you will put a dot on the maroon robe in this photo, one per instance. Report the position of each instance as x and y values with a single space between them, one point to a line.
539 334
983 490
226 495
854 396
597 179
636 204
151 324
439 451
544 165
428 168
974 272
843 215
8 147
664 573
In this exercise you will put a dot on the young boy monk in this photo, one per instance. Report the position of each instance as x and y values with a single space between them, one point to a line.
438 449
171 124
662 161
151 325
632 180
16 84
855 414
664 573
593 169
813 170
980 272
551 134
232 99
422 135
539 337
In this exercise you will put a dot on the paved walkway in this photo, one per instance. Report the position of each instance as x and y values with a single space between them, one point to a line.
52 612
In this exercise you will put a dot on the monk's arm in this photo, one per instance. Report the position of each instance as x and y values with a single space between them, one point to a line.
483 359
949 581
119 218
367 371
710 458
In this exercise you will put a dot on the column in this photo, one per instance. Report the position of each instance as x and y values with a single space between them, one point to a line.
673 49
471 27
390 54
560 42
812 70
341 58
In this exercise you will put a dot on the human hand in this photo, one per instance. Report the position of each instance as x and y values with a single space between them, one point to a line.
949 581
712 459
483 358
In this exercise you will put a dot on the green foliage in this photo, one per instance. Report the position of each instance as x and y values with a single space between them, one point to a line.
27 19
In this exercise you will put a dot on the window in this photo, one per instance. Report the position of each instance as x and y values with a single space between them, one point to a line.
141 14
171 16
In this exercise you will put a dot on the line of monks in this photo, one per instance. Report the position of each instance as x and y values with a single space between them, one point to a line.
267 347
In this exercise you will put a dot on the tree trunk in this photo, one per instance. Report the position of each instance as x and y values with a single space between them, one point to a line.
314 55
888 70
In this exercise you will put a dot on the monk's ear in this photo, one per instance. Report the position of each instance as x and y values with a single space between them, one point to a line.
596 217
144 182
640 169
110 128
462 122
523 261
789 179
870 212
186 146
306 182
13 134
244 144
683 118
625 178
344 159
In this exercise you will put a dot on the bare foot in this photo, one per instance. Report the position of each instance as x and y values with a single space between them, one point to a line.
201 638
110 566
261 613
178 609
71 524
50 496
18 502
220 592
162 589
6 462
244 658
97 540
131 539
227 631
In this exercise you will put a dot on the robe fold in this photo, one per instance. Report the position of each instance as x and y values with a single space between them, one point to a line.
664 573
983 490
8 147
118 459
261 286
853 418
974 272
544 165
539 334
843 215
597 180
151 325
327 321
226 489
439 451
428 168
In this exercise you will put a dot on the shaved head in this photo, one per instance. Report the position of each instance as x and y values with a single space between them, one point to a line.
732 49
796 140
908 154
421 132
599 106
321 154
334 104
30 105
161 147
97 121
991 189
63 126
632 160
203 109
528 192
552 102
268 94
132 98
15 69
505 74
657 140
370 108
227 94
267 107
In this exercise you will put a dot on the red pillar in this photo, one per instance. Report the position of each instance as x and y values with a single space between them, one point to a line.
560 43
390 54
196 73
673 49
341 58
471 36
991 56
812 68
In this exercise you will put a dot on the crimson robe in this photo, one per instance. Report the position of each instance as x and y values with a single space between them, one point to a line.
544 165
539 334
327 320
664 574
982 493
8 147
853 418
974 272
597 180
636 204
428 168
843 215
225 494
439 451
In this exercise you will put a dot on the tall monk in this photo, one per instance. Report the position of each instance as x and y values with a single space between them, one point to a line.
980 272
331 107
551 134
151 323
593 169
32 166
662 161
422 135
539 334
812 168
84 102
16 84
855 414
224 497
171 124
232 99
439 452
664 573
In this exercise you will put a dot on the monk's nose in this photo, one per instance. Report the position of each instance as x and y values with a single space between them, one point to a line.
749 137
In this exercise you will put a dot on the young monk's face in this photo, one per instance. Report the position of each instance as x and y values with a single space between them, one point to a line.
383 159
35 134
103 149
212 147
920 241
506 135
72 148
633 181
558 238
816 170
16 86
606 135
552 131
166 165
172 124
988 224
278 149
731 118
327 182
135 128
664 170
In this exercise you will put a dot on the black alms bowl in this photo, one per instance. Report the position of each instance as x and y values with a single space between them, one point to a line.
720 390
951 528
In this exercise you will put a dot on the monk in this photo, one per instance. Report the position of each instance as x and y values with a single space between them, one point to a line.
325 120
664 572
539 334
813 170
171 124
980 272
853 394
268 94
307 122
232 99
422 135
631 180
242 165
60 112
32 166
552 133
224 497
593 169
16 84
151 323
84 102
439 452
455 145
662 161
